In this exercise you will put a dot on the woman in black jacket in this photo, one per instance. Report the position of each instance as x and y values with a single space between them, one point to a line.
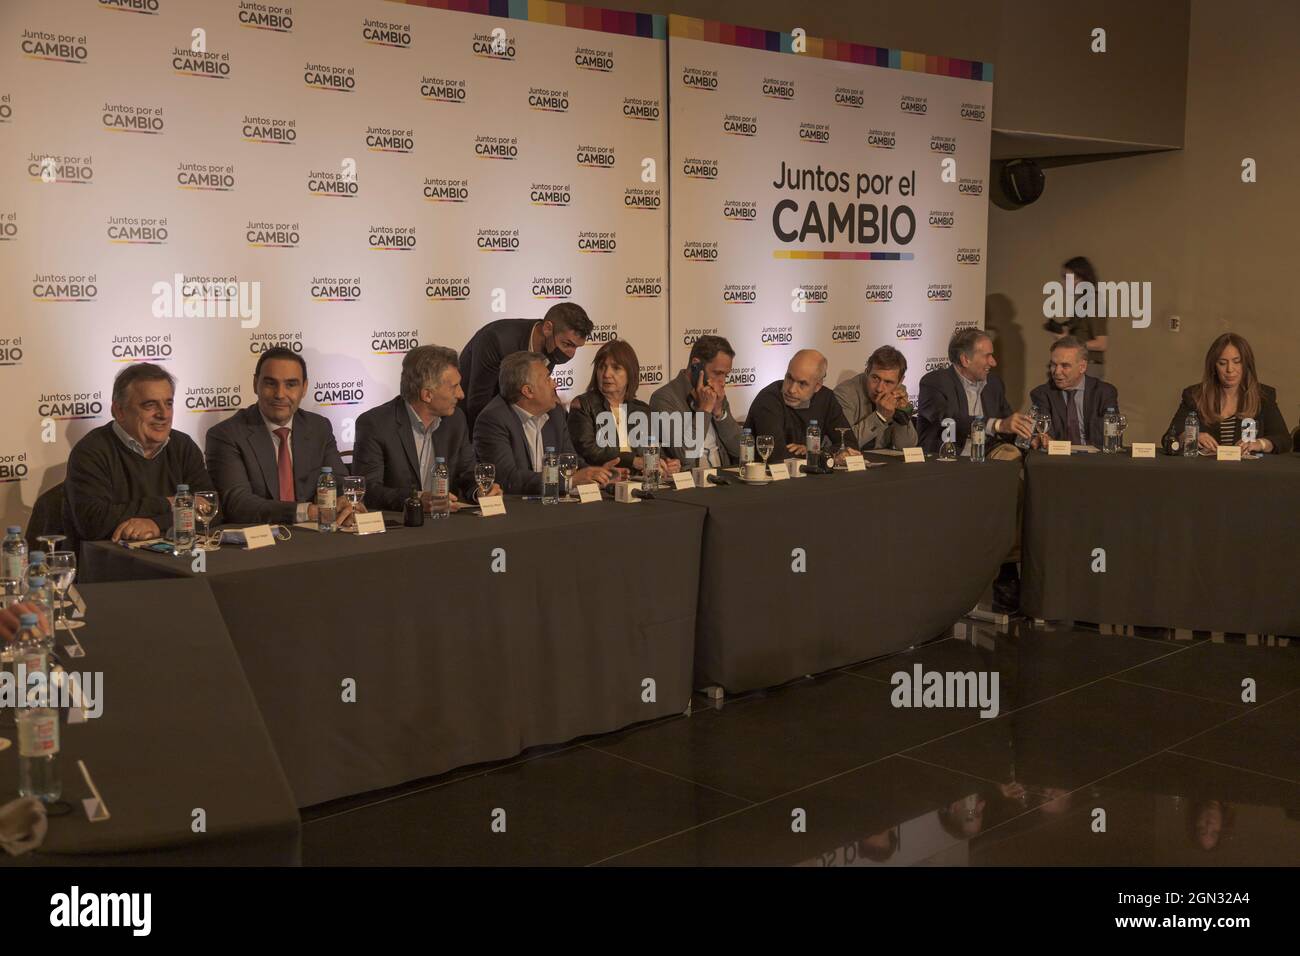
612 392
1229 392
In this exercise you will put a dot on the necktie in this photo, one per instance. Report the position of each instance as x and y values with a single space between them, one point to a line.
1072 420
285 466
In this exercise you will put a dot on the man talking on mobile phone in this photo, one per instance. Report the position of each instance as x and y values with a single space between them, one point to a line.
700 390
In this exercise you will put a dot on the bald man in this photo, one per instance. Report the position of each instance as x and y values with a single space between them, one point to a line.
784 409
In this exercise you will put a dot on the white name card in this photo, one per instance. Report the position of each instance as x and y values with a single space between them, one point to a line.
1058 447
258 536
914 455
855 463
588 493
369 522
783 470
492 505
683 480
1144 449
1229 453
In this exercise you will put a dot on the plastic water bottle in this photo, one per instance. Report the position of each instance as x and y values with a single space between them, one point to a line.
14 553
38 726
183 519
1021 441
327 499
812 441
650 463
35 569
746 448
441 489
1192 435
1110 424
977 437
550 477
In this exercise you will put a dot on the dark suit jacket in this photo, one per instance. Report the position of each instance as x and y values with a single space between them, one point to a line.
584 429
386 457
1097 397
480 361
678 398
1270 421
943 396
241 459
770 415
499 439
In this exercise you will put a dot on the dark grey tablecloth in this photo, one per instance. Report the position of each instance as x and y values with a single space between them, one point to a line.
894 556
179 731
1191 543
453 663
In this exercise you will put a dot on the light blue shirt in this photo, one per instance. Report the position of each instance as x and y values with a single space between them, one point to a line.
134 445
423 435
533 425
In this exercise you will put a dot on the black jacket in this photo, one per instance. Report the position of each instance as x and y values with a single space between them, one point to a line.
499 439
584 428
1270 423
385 455
480 361
944 396
241 459
770 415
1097 397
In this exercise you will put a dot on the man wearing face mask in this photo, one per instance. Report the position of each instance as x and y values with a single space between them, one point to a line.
784 409
557 337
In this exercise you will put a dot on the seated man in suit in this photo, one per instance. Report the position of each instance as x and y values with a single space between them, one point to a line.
122 476
556 338
398 442
965 389
517 427
700 391
1076 400
267 458
873 402
785 408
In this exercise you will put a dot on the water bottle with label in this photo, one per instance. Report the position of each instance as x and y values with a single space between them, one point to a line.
14 564
1192 435
650 463
441 489
183 519
1021 441
1110 424
35 569
977 439
746 448
32 645
38 724
550 477
327 499
812 442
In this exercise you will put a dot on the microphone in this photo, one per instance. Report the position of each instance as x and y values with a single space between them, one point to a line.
718 480
645 495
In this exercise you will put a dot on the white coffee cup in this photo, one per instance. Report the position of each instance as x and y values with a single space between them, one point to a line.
755 471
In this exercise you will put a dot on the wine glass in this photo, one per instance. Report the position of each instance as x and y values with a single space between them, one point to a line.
1042 422
568 465
764 445
485 474
206 508
841 455
62 572
51 541
354 489
1122 422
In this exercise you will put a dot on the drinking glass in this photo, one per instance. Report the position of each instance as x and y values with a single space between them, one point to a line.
841 455
764 444
206 508
62 572
1122 421
354 489
568 465
485 474
51 541
1042 422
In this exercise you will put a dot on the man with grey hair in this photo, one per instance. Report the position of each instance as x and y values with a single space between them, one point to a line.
965 388
1076 400
122 476
785 408
517 426
399 442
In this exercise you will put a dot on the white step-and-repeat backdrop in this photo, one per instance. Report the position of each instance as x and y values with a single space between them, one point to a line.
825 195
192 181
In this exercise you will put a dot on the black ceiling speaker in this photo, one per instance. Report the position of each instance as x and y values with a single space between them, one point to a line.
1022 181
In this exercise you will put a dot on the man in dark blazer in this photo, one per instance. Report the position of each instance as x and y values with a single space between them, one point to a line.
266 459
399 442
968 383
1076 400
517 426
556 338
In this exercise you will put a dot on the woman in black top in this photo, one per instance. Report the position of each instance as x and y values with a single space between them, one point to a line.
1230 391
612 391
